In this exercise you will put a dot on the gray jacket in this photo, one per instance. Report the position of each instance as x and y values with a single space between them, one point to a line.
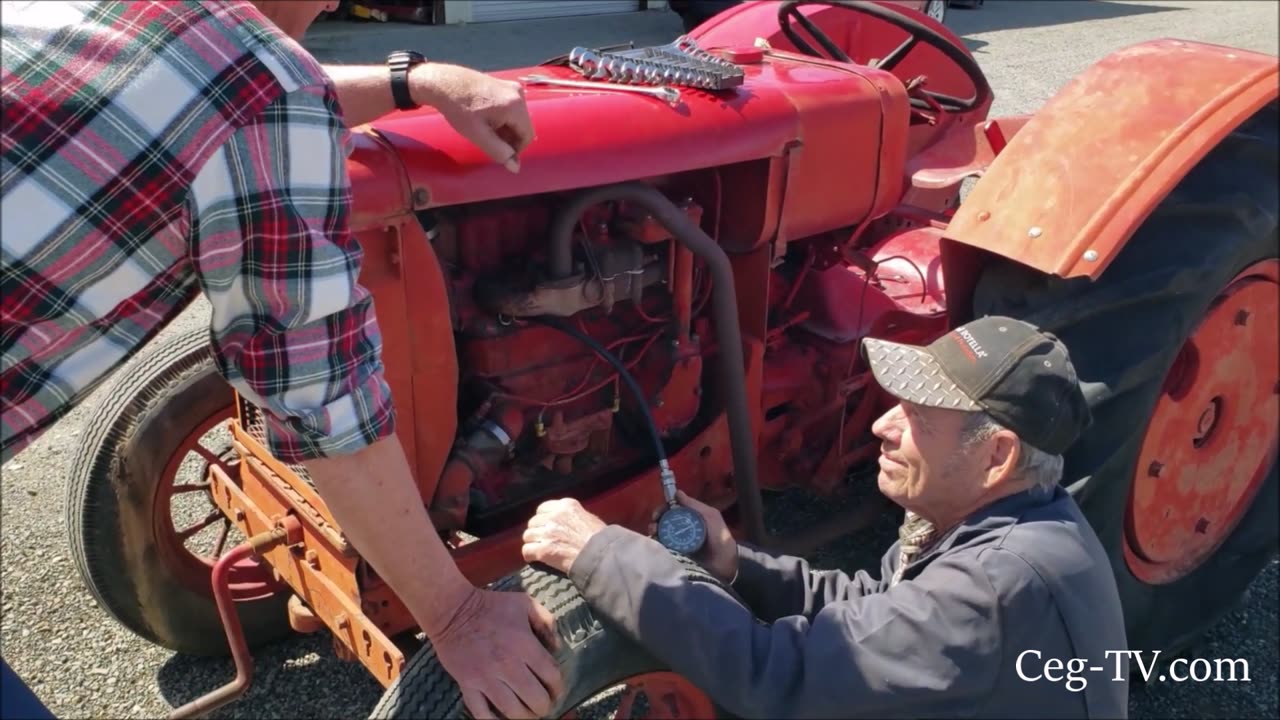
1025 578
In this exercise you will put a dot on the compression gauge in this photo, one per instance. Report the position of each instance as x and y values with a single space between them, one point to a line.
680 529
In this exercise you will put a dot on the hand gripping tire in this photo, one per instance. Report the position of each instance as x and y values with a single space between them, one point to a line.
593 655
1137 337
118 518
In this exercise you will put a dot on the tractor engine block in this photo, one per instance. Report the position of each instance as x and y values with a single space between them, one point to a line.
539 410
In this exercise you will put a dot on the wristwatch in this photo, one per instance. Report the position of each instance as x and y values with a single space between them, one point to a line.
400 62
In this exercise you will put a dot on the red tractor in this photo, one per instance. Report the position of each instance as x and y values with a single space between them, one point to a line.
717 260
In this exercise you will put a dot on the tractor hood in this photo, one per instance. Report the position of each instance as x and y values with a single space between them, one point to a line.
846 123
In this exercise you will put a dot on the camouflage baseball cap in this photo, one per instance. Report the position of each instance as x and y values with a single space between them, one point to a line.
1019 375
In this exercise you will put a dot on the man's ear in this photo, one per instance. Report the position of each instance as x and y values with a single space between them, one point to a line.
1005 451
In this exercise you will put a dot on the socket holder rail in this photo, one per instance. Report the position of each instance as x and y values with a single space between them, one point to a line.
681 63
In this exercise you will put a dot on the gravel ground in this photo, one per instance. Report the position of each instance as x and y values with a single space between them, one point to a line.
83 664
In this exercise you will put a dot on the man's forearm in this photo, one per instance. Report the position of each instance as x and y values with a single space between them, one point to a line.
869 656
365 90
373 497
776 586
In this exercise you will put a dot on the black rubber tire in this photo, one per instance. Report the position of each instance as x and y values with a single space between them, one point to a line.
1124 332
593 655
154 402
942 20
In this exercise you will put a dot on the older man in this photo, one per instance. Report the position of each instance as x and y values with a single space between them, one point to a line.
996 585
154 151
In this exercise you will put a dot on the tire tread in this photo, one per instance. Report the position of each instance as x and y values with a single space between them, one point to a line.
425 690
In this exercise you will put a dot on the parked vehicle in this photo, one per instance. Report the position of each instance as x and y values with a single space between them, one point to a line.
689 283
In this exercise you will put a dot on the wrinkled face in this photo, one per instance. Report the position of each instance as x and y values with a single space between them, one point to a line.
924 465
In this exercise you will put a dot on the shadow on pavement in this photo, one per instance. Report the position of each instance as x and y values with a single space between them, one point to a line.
299 677
974 44
1015 14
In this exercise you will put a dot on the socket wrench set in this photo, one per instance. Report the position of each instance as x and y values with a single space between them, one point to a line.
681 63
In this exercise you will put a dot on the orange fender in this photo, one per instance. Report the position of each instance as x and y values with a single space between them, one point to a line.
1078 179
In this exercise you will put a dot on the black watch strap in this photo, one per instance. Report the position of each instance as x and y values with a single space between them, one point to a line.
400 62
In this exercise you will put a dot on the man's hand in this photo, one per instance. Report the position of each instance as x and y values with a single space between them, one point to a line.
497 669
488 642
719 555
557 533
488 111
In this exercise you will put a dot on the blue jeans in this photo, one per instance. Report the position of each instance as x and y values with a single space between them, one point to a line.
17 702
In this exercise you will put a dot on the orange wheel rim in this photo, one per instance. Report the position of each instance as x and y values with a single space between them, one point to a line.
1213 435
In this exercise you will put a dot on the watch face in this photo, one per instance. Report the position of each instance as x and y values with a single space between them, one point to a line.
405 57
682 530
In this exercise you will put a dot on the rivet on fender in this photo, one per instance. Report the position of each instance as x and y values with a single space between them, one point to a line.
1035 232
1090 255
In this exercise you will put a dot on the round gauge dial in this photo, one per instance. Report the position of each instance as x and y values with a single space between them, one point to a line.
682 530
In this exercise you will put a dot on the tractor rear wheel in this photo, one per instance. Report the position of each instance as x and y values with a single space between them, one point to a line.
143 532
1175 347
593 657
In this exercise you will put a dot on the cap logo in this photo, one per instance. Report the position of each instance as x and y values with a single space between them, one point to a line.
972 342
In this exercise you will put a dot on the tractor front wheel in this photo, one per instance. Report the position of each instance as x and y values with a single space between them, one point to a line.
143 531
1175 347
594 658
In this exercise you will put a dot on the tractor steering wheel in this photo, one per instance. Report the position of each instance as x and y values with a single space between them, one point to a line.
918 31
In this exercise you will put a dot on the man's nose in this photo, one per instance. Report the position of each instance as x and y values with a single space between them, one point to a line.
885 424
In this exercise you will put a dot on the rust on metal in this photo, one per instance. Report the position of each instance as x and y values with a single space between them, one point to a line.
667 695
746 348
330 588
1215 440
301 618
256 544
1088 178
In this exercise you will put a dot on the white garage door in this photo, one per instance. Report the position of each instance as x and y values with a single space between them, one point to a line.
490 10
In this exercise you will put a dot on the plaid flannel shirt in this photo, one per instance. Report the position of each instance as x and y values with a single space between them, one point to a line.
155 150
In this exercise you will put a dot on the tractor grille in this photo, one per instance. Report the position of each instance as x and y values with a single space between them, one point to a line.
254 423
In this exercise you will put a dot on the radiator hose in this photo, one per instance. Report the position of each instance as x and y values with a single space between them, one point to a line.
724 311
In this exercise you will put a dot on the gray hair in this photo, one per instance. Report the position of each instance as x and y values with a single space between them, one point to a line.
1034 464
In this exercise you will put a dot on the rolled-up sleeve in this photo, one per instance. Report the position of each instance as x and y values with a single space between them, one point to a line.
292 329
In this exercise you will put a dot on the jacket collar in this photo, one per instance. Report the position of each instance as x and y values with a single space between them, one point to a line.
999 513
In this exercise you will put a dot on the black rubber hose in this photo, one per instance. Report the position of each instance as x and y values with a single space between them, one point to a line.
724 311
627 377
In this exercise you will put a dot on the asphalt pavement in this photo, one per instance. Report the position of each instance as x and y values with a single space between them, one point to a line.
83 664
